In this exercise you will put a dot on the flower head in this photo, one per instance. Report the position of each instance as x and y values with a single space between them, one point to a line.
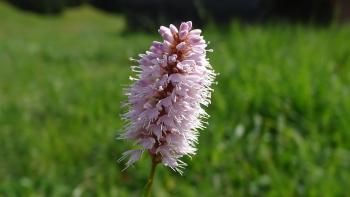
165 101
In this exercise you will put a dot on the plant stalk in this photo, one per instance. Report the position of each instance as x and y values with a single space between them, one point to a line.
149 184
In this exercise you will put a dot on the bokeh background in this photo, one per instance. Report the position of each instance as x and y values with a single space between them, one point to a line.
280 113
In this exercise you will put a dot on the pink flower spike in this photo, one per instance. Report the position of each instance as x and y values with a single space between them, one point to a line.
167 95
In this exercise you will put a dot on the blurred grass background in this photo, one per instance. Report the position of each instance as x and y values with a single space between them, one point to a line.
280 114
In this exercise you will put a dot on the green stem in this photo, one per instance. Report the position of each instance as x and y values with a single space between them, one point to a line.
149 184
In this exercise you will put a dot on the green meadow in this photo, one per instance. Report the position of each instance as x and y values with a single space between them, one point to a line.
280 112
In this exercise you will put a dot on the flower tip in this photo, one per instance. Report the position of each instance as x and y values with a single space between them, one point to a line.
162 30
173 29
184 27
189 23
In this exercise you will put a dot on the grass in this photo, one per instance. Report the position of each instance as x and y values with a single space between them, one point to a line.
280 114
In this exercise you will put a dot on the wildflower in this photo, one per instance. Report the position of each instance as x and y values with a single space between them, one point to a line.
166 99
